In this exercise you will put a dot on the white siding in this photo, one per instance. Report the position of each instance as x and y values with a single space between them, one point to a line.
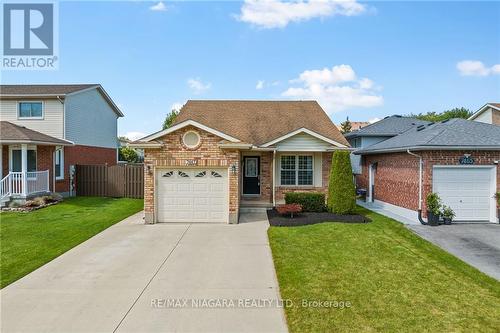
51 124
485 117
302 142
90 120
317 169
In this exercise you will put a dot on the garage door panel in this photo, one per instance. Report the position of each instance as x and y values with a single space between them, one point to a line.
466 190
191 195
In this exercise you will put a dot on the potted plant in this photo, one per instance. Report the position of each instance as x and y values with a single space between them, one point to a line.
448 214
433 208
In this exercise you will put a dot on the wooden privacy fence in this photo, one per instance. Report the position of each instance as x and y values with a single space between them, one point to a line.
119 181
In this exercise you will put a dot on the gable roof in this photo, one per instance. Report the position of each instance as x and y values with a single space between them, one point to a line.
449 134
494 106
389 126
11 133
54 90
260 122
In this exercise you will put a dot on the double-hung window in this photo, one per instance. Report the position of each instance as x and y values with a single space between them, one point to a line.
16 160
30 110
296 170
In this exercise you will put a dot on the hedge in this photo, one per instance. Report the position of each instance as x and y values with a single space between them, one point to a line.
310 201
341 191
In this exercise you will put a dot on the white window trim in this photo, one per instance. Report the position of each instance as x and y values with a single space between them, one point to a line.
296 170
61 177
16 147
30 118
191 146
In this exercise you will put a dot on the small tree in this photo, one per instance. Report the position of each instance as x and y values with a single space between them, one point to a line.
128 154
170 118
341 191
346 126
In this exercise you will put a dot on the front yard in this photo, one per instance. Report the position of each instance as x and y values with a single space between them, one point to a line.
393 279
29 240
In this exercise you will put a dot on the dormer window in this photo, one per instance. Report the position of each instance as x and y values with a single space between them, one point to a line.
30 110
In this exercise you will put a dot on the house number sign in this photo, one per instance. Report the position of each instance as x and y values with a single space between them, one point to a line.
466 159
191 162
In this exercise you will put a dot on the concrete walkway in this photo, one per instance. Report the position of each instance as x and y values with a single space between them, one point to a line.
135 278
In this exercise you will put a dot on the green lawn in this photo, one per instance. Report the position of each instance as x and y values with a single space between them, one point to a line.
394 280
29 240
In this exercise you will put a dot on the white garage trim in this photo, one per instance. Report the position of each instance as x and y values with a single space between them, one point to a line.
225 172
492 184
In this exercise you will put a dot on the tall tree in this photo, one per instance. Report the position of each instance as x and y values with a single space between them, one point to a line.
445 115
170 118
346 126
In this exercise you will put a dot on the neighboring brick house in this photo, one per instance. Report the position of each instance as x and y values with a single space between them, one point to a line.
458 159
48 128
223 155
489 114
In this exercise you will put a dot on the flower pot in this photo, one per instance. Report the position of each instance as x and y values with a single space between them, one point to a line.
447 220
432 218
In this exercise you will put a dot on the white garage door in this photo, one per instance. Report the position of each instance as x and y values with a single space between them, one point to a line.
467 190
192 195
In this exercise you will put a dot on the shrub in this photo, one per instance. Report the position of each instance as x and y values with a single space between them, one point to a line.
434 203
39 201
310 201
31 203
341 191
53 197
448 213
289 209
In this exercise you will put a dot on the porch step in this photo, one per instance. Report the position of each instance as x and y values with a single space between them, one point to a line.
253 209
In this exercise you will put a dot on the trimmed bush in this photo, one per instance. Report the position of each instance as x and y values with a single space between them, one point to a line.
341 191
310 201
289 209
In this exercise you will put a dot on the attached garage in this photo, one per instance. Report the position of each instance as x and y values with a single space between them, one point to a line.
468 190
192 195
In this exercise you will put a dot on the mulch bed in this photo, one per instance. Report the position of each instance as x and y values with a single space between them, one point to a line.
277 220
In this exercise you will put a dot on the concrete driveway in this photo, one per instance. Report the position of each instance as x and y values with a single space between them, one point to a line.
135 278
476 244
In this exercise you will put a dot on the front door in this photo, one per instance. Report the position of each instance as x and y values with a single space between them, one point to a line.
251 172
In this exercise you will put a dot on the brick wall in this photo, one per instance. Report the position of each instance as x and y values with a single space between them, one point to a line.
174 153
5 160
44 161
84 155
396 177
325 174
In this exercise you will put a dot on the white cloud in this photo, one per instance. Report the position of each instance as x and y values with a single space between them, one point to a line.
197 86
177 106
336 89
259 85
476 68
374 120
134 135
159 7
277 14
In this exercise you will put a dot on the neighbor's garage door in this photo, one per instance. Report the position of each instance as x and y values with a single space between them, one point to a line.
192 195
467 190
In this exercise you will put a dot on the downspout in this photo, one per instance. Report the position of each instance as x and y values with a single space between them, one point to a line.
420 162
274 178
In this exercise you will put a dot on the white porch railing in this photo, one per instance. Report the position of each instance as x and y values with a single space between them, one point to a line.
23 184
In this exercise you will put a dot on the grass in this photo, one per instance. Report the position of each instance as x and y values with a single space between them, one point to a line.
394 280
30 240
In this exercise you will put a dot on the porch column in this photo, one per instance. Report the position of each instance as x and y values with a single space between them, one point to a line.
274 178
1 161
24 167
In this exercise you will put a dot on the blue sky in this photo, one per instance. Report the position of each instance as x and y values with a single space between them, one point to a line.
364 60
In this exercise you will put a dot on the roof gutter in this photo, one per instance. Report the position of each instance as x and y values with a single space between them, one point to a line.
420 164
423 148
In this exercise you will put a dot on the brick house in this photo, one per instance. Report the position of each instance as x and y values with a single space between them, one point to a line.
48 128
458 159
223 155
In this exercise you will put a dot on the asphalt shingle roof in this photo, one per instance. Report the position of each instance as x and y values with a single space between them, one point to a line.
389 126
259 122
42 89
10 132
446 134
